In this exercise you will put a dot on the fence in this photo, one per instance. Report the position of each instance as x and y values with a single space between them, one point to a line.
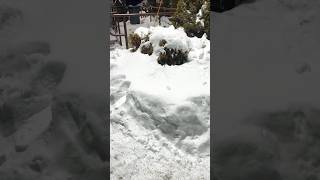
117 18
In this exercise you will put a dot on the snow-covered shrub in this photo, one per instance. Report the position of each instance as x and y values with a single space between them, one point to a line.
175 38
171 45
193 29
206 18
147 49
172 57
162 43
193 16
135 41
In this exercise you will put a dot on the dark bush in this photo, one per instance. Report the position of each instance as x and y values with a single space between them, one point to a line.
194 29
135 41
162 43
172 57
147 49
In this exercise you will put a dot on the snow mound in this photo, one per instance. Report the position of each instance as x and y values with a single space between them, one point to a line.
175 38
172 83
160 115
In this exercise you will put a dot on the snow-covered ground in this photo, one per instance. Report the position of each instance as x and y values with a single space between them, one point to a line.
160 115
258 47
259 50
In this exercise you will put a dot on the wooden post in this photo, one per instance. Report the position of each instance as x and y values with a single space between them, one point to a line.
125 34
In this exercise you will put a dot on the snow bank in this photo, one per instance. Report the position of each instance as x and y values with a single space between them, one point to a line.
172 83
160 115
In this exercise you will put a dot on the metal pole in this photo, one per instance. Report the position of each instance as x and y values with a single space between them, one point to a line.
125 34
119 29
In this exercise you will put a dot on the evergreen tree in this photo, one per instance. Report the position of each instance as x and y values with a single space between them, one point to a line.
186 15
206 18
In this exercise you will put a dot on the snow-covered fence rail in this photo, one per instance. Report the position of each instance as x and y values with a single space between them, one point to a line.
117 18
143 14
114 8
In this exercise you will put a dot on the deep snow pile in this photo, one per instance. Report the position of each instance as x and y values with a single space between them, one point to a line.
160 114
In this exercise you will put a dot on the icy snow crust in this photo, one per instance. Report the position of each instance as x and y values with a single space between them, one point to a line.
160 114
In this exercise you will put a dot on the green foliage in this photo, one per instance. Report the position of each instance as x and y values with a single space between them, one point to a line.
194 29
172 57
206 18
166 3
174 3
170 3
186 15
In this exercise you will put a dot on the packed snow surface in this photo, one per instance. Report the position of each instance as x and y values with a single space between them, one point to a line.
160 115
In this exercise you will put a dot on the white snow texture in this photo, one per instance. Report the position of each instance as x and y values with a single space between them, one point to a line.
160 115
